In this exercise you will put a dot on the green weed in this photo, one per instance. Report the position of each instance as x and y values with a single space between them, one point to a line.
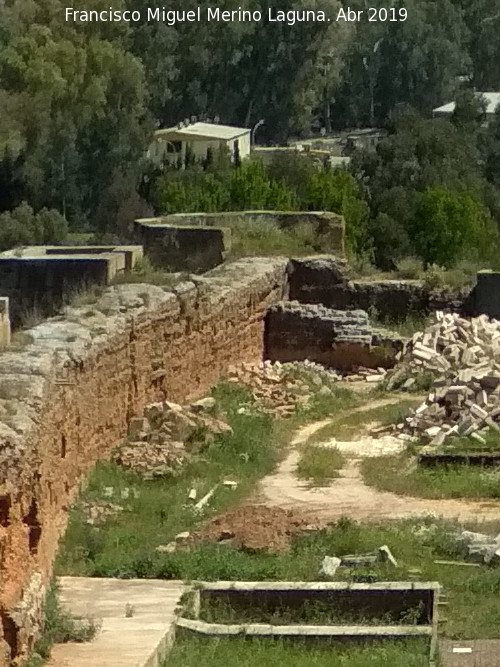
59 627
401 475
347 427
320 465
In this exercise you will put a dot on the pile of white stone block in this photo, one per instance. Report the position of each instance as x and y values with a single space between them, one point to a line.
464 400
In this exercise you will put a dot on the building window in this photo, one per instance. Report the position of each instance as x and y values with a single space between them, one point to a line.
174 146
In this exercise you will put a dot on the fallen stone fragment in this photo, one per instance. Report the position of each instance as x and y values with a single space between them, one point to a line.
329 566
385 555
201 503
204 404
166 548
182 537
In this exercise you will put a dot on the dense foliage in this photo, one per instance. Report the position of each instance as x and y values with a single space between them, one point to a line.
79 101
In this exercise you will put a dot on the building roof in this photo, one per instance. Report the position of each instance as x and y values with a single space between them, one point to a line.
492 103
204 131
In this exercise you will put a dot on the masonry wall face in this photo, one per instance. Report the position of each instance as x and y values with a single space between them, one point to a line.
66 398
343 340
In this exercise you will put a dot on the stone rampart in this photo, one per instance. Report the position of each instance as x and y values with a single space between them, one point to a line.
67 396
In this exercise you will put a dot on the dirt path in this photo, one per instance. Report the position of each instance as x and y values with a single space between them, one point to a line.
349 495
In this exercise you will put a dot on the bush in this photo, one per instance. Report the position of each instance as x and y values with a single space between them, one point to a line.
23 226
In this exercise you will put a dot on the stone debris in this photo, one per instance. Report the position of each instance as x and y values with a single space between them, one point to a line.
206 499
167 435
96 513
479 547
385 555
279 388
464 399
329 566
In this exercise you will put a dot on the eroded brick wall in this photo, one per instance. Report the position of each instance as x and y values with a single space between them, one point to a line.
66 397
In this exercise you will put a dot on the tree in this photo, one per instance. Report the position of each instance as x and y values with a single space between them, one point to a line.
448 226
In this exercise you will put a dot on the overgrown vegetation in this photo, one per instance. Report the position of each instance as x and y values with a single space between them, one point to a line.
402 475
59 627
429 181
274 653
319 465
310 612
126 547
349 426
145 272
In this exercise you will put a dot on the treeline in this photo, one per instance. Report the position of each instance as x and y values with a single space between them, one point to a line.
430 190
78 102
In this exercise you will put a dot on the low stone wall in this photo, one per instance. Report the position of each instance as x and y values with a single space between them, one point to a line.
66 399
39 279
341 339
325 280
329 228
484 299
195 249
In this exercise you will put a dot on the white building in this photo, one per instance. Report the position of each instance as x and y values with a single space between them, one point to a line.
492 101
171 144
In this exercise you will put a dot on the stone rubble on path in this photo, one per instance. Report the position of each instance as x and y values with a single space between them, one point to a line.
464 400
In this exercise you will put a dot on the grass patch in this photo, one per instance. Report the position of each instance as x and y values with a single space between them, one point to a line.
145 272
404 476
276 653
320 465
334 611
59 627
264 237
348 427
407 326
473 610
461 445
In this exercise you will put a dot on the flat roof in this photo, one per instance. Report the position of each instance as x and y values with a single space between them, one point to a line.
205 131
492 103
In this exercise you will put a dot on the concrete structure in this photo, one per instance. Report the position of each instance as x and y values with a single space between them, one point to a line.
365 139
192 248
492 103
4 322
138 637
370 601
172 144
38 279
328 228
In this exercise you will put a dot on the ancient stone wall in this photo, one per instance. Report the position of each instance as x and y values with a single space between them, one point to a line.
38 279
341 339
66 398
326 281
183 247
329 228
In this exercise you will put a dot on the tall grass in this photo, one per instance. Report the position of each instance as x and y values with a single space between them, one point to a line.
276 653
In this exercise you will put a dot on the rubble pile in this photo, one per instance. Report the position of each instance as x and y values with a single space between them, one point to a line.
279 388
479 547
464 400
160 441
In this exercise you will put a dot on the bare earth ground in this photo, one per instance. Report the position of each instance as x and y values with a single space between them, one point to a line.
349 496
